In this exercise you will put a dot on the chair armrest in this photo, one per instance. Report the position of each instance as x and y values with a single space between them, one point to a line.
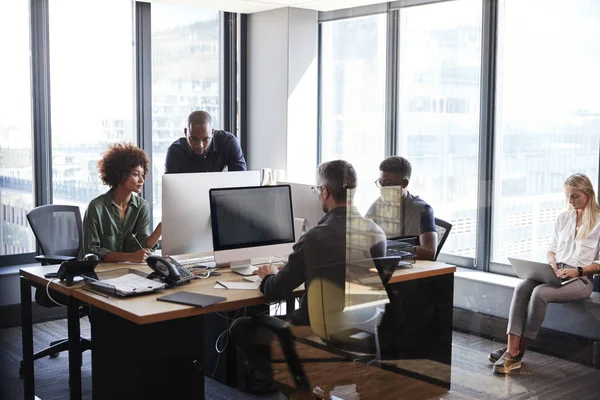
53 259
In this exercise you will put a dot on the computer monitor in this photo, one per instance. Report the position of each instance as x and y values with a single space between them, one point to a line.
251 222
305 204
186 227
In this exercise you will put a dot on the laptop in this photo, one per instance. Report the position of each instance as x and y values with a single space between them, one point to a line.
539 272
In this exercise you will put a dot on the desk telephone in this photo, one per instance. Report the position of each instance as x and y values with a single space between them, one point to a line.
169 270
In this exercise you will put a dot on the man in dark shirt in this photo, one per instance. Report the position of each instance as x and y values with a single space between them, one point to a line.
342 235
401 214
204 149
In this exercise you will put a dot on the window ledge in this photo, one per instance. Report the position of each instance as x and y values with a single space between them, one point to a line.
14 269
487 277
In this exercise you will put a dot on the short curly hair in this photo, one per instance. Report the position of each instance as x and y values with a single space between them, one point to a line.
119 160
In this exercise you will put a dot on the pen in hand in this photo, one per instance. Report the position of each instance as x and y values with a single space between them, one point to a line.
137 241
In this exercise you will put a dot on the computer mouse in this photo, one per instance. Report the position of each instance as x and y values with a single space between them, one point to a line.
215 273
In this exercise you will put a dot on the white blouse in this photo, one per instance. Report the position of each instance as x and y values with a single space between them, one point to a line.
571 251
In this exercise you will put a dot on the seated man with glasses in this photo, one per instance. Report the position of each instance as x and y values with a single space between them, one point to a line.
204 149
399 213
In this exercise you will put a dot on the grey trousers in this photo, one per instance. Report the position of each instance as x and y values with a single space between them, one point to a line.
528 305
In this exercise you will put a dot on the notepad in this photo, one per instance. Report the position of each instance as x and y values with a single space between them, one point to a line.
191 299
237 285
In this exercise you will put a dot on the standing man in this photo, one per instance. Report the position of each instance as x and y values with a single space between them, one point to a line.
204 149
401 214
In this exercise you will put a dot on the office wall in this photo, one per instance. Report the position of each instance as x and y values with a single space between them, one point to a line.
282 91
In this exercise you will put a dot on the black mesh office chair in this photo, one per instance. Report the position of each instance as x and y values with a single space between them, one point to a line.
58 231
443 229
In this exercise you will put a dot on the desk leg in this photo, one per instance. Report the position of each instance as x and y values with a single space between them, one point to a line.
27 338
74 348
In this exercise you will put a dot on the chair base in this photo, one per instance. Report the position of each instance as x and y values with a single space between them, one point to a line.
57 347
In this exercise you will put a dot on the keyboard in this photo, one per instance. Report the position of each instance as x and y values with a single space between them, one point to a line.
196 261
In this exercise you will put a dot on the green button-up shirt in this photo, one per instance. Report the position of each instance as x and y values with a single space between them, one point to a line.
103 231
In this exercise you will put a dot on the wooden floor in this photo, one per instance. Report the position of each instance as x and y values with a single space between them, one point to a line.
542 377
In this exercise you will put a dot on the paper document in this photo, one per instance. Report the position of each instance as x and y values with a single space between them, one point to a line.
128 284
237 285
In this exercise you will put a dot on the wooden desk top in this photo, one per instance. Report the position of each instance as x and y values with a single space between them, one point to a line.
422 269
144 309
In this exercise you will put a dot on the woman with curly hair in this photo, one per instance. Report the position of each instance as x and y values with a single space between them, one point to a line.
116 226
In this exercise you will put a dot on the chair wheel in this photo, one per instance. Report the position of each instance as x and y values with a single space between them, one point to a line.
54 355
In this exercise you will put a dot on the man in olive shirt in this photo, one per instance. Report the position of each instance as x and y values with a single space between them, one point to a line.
204 149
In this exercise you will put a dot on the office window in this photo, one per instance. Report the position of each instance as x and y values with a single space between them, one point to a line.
185 77
548 117
352 90
92 91
16 162
438 118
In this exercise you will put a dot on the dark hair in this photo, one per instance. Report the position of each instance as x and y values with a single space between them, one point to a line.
397 165
201 117
337 176
119 160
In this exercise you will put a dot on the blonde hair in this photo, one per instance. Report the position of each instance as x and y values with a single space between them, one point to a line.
591 211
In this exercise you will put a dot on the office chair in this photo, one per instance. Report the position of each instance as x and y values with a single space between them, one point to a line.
443 229
337 329
58 231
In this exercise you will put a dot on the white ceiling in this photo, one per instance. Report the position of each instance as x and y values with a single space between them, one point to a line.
252 6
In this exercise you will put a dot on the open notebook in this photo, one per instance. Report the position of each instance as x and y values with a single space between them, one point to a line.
125 285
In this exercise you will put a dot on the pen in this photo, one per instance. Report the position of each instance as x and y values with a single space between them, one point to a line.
139 244
219 283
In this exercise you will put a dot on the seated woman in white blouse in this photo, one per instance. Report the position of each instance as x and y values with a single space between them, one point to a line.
574 251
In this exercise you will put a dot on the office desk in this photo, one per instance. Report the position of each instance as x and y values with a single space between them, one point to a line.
418 321
145 348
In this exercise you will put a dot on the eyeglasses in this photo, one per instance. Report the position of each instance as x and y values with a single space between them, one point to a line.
384 182
316 189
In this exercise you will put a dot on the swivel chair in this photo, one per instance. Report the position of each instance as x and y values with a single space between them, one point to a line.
58 231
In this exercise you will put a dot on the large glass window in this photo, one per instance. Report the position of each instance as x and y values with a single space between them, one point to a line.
16 163
438 126
353 98
92 91
548 117
185 77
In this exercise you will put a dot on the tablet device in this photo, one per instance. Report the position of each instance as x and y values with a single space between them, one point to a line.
192 299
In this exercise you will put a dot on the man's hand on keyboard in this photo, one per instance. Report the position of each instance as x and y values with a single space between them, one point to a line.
266 270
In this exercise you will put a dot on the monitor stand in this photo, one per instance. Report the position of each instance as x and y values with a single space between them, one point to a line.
242 267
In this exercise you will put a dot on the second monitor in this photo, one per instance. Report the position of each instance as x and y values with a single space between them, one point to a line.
251 222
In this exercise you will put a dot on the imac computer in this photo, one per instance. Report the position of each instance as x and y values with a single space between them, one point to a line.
305 204
251 222
186 227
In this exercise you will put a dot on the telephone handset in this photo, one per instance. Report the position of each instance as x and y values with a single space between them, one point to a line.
164 268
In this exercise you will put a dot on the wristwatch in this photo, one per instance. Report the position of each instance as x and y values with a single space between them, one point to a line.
580 270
